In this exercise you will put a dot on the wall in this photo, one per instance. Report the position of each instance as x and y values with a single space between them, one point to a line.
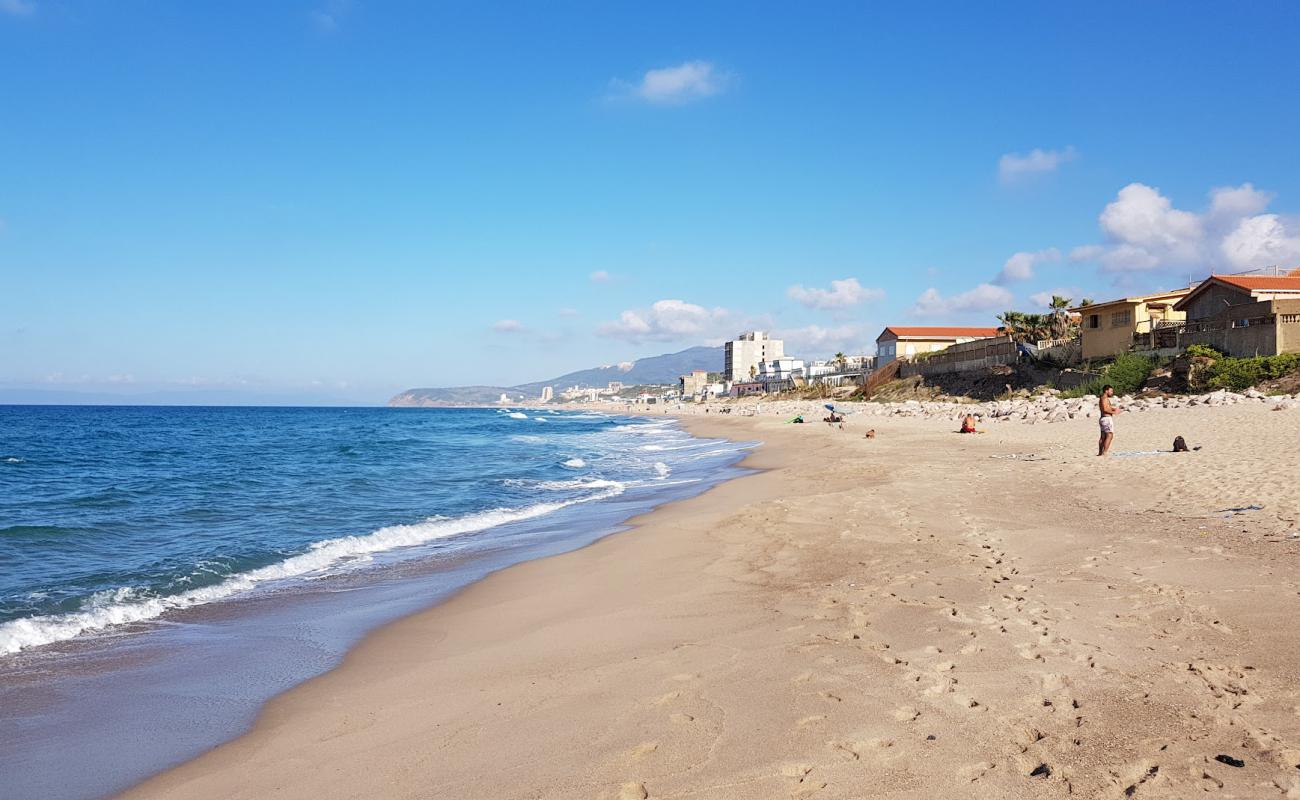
1109 340
1248 342
1214 300
975 354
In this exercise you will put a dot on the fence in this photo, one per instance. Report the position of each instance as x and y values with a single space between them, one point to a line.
977 354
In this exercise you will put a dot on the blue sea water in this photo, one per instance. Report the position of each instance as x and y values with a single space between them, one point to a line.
227 553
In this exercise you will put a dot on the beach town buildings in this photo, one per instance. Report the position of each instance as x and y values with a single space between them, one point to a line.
743 355
1243 315
1110 328
614 387
898 341
693 384
548 394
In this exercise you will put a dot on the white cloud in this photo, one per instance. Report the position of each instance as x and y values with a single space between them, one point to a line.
1014 166
1044 299
508 326
666 320
1144 231
17 8
1234 202
692 80
600 276
1020 267
815 340
842 294
985 297
1261 241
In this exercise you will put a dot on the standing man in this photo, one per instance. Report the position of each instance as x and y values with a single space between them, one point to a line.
1108 412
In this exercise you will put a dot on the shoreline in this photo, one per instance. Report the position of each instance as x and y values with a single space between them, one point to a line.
201 676
843 619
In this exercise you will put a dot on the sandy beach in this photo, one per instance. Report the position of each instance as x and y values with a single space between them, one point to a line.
918 615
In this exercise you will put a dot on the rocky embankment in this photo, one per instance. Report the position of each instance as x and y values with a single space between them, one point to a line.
1044 407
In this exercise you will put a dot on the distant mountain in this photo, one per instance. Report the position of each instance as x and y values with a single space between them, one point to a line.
654 370
664 369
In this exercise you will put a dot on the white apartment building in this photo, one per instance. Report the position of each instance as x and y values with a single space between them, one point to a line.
548 394
746 352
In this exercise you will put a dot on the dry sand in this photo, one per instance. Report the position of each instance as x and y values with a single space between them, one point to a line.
919 615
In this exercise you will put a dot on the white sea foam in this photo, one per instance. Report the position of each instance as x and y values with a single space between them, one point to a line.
662 469
517 415
528 439
13 460
575 463
128 604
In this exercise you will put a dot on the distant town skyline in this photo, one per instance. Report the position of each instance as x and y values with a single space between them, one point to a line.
337 200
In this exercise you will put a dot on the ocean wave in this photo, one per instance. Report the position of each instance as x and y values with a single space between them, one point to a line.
662 469
13 460
575 463
517 415
528 439
128 604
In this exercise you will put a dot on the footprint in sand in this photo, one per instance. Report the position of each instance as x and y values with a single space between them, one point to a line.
664 699
906 714
644 749
681 719
633 791
810 720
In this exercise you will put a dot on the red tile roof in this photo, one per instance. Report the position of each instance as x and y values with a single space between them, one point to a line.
1250 283
941 332
1261 282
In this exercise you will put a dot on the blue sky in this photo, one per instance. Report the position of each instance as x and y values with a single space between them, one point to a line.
345 199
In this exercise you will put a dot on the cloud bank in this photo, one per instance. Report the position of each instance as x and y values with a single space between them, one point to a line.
665 321
1143 231
842 294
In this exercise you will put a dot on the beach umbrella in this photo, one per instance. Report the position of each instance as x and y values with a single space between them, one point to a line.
830 406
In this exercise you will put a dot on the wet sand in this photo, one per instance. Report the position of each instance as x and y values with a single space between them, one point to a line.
918 615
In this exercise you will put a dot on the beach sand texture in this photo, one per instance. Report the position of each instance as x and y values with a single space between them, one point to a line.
921 615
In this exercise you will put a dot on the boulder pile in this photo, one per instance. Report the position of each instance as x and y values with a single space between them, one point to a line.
1043 407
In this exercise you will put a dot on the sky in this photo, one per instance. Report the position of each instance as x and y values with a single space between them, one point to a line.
334 200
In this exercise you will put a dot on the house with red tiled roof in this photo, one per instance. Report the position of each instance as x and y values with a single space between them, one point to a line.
898 341
1244 315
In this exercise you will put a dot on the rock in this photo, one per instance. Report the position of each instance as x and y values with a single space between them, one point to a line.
1230 761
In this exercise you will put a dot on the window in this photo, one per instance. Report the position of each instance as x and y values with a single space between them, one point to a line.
1121 318
1094 320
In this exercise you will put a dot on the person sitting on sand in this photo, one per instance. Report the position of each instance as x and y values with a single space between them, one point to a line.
1107 421
871 434
968 424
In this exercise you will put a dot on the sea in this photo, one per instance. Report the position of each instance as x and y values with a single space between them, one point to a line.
166 570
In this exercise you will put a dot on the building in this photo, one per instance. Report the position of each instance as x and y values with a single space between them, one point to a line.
693 384
780 369
548 394
614 387
1243 315
1110 328
746 352
905 342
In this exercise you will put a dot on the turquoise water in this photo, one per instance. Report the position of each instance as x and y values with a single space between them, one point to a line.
167 570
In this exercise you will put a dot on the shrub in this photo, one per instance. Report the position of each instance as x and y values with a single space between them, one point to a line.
1126 373
1203 350
1239 374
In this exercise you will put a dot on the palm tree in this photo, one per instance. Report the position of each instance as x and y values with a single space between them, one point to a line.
840 361
1060 320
